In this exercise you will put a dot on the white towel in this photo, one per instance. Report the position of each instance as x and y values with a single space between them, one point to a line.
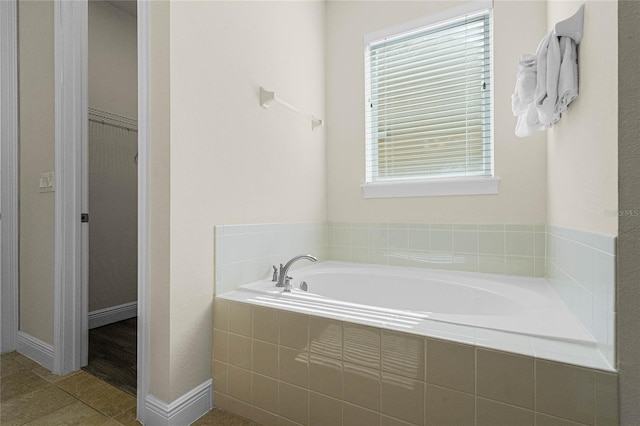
528 122
549 60
555 70
568 82
525 85
523 96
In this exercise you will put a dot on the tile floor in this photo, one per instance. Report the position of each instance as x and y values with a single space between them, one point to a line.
31 395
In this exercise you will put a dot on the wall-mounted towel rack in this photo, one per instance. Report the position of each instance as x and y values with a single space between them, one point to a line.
267 97
547 82
571 27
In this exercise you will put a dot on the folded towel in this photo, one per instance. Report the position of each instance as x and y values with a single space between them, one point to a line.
546 96
568 81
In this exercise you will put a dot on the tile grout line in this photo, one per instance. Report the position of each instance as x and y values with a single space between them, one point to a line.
535 388
475 386
56 384
89 405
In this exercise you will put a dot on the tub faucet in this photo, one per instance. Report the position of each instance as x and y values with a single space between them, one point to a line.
283 279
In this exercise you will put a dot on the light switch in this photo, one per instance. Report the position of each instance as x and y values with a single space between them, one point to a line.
46 182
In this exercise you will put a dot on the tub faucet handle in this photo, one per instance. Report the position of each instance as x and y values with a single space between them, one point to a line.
287 284
275 274
279 276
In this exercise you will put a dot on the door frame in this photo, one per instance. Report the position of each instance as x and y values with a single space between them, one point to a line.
71 164
9 175
70 88
143 204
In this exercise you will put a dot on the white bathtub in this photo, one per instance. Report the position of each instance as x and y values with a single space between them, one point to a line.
460 306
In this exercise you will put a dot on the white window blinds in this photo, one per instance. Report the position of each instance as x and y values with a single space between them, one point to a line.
428 102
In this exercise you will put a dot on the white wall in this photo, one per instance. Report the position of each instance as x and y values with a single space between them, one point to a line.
159 201
112 80
36 140
113 213
583 147
231 160
113 60
520 163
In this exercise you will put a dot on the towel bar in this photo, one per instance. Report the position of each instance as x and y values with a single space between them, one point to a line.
266 97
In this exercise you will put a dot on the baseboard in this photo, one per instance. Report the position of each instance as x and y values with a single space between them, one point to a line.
113 314
36 350
183 411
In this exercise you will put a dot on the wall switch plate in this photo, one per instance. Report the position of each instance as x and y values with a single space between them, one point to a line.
46 182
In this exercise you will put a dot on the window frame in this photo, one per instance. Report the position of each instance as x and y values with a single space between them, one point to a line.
428 186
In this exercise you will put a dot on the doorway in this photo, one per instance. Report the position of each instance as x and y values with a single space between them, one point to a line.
111 177
70 349
70 302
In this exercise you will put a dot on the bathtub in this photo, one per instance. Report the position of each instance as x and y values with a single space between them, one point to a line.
520 314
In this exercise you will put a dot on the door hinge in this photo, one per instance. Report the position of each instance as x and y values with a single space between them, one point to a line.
84 217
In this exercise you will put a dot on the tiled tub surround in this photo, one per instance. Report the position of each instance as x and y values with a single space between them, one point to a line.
246 253
496 249
280 367
580 265
581 268
265 371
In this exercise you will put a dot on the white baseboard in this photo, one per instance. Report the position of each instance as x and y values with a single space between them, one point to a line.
35 349
112 314
183 411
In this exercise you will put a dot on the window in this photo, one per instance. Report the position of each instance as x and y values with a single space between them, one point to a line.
428 103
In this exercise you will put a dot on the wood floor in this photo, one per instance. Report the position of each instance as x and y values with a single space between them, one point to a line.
113 354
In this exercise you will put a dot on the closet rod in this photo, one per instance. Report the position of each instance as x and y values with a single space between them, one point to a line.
120 126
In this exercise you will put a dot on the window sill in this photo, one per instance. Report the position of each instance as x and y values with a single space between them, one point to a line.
431 187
